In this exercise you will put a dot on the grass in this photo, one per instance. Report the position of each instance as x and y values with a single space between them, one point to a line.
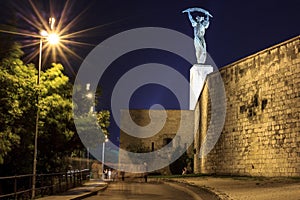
177 176
254 178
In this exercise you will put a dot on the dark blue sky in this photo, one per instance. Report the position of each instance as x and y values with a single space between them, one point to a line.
238 29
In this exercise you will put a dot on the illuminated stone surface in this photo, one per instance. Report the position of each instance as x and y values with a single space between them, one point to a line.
261 136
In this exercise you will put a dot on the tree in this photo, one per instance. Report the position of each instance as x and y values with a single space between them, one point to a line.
57 137
18 100
16 96
56 121
89 121
103 119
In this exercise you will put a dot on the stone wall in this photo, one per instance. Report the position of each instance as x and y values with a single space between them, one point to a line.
159 138
261 136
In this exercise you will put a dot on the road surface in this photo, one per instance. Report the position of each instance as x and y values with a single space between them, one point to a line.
147 191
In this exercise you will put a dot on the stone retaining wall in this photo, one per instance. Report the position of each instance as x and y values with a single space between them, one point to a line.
261 136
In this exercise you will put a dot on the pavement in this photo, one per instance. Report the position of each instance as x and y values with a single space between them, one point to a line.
246 188
226 188
88 189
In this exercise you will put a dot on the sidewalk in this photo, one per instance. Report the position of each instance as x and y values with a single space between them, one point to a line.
88 189
247 188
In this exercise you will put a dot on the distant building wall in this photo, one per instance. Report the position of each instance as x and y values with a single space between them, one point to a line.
261 136
163 136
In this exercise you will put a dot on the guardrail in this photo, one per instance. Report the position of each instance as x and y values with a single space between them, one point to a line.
20 187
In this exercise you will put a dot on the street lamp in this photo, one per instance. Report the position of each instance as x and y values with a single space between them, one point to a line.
53 39
89 95
103 147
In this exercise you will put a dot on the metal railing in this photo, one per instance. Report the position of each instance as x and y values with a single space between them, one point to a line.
20 187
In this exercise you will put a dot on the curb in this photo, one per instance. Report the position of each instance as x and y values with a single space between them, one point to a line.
92 193
212 191
186 190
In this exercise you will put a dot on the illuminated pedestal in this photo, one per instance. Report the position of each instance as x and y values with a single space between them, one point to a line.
198 75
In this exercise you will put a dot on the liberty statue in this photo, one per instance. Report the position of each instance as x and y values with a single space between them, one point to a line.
200 24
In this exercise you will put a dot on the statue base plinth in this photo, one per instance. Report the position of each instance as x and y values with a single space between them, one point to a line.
198 75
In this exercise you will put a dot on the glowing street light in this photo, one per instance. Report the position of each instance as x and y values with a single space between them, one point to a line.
89 95
43 33
103 148
53 39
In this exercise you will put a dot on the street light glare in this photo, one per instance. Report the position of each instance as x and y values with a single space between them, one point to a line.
56 35
43 33
89 95
53 38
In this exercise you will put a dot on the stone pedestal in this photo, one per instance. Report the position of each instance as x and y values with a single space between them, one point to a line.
198 75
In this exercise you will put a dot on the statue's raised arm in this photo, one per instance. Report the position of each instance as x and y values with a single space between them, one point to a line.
193 22
189 10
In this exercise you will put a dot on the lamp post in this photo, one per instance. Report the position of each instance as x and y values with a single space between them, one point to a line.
53 39
103 148
89 95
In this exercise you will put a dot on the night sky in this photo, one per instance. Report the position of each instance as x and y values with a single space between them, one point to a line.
238 28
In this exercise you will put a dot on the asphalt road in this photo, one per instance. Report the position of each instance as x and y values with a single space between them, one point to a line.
143 191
